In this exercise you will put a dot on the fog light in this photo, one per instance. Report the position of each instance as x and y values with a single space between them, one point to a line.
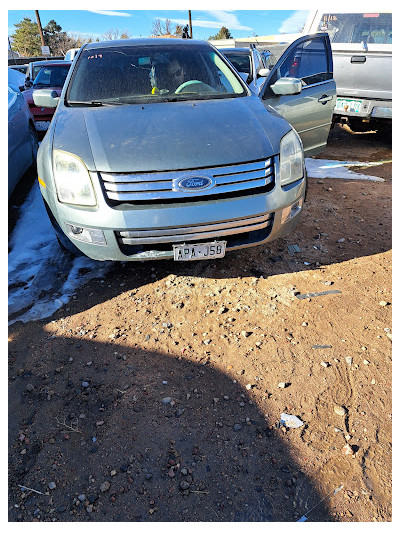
75 230
291 211
93 236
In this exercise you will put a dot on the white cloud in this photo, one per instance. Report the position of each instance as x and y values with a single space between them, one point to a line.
229 20
294 23
111 13
224 18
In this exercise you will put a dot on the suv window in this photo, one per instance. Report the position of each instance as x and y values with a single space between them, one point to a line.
357 27
134 74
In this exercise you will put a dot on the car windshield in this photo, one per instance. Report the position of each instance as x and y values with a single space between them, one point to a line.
137 74
52 76
241 62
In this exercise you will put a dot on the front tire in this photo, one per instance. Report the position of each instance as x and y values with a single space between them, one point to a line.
34 142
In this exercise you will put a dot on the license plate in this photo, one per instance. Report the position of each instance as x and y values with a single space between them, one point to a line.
348 105
194 252
42 126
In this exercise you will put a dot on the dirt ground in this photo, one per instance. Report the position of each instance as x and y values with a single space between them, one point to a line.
155 394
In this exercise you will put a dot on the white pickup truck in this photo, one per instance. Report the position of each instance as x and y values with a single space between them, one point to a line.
362 66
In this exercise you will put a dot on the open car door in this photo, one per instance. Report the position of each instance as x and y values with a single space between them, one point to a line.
301 88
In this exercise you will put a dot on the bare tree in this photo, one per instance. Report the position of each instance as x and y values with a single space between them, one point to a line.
178 30
163 27
111 35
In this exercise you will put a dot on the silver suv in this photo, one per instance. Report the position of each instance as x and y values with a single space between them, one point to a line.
158 149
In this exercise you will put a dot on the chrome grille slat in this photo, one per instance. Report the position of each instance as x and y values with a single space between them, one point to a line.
138 187
154 195
245 167
248 176
153 186
181 230
193 233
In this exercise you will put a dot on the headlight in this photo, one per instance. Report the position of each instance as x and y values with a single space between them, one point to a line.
291 158
72 179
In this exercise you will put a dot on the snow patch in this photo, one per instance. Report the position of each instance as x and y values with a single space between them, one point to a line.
328 168
41 277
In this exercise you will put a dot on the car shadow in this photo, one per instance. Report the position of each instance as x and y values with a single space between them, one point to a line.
144 436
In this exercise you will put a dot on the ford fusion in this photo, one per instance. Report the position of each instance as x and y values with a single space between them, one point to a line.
158 149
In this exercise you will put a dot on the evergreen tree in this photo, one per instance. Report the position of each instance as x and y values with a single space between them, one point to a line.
26 39
223 33
56 39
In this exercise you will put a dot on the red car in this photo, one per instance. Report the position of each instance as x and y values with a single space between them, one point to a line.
52 75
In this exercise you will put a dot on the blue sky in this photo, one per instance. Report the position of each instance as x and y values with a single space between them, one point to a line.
94 23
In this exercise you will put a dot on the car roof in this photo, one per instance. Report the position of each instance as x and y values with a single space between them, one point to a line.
159 42
239 50
50 62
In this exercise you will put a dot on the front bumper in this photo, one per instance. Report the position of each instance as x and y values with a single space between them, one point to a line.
204 217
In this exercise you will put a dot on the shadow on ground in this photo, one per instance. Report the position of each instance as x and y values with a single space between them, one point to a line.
209 454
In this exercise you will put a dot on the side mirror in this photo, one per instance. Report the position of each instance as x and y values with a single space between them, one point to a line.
287 86
28 83
45 98
263 72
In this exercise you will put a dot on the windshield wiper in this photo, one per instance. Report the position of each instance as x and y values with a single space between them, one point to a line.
92 103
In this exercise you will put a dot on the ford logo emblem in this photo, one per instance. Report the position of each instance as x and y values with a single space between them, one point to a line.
193 184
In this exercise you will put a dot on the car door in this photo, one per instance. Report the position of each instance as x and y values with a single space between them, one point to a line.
308 59
16 158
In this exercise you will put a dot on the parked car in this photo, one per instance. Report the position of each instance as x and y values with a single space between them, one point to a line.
268 58
32 71
158 149
70 55
250 65
22 138
362 66
15 79
52 75
19 68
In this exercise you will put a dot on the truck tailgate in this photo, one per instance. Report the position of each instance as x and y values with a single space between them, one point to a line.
362 74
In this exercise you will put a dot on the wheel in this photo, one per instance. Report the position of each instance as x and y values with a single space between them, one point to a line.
195 86
34 142
68 248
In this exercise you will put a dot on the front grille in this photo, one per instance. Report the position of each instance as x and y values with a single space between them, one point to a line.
191 233
236 232
232 180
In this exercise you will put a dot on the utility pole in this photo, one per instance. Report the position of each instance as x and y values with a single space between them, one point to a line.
39 26
190 24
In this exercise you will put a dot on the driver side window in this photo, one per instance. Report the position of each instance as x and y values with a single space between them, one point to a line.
308 62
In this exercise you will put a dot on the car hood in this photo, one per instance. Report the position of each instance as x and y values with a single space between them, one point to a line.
169 136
